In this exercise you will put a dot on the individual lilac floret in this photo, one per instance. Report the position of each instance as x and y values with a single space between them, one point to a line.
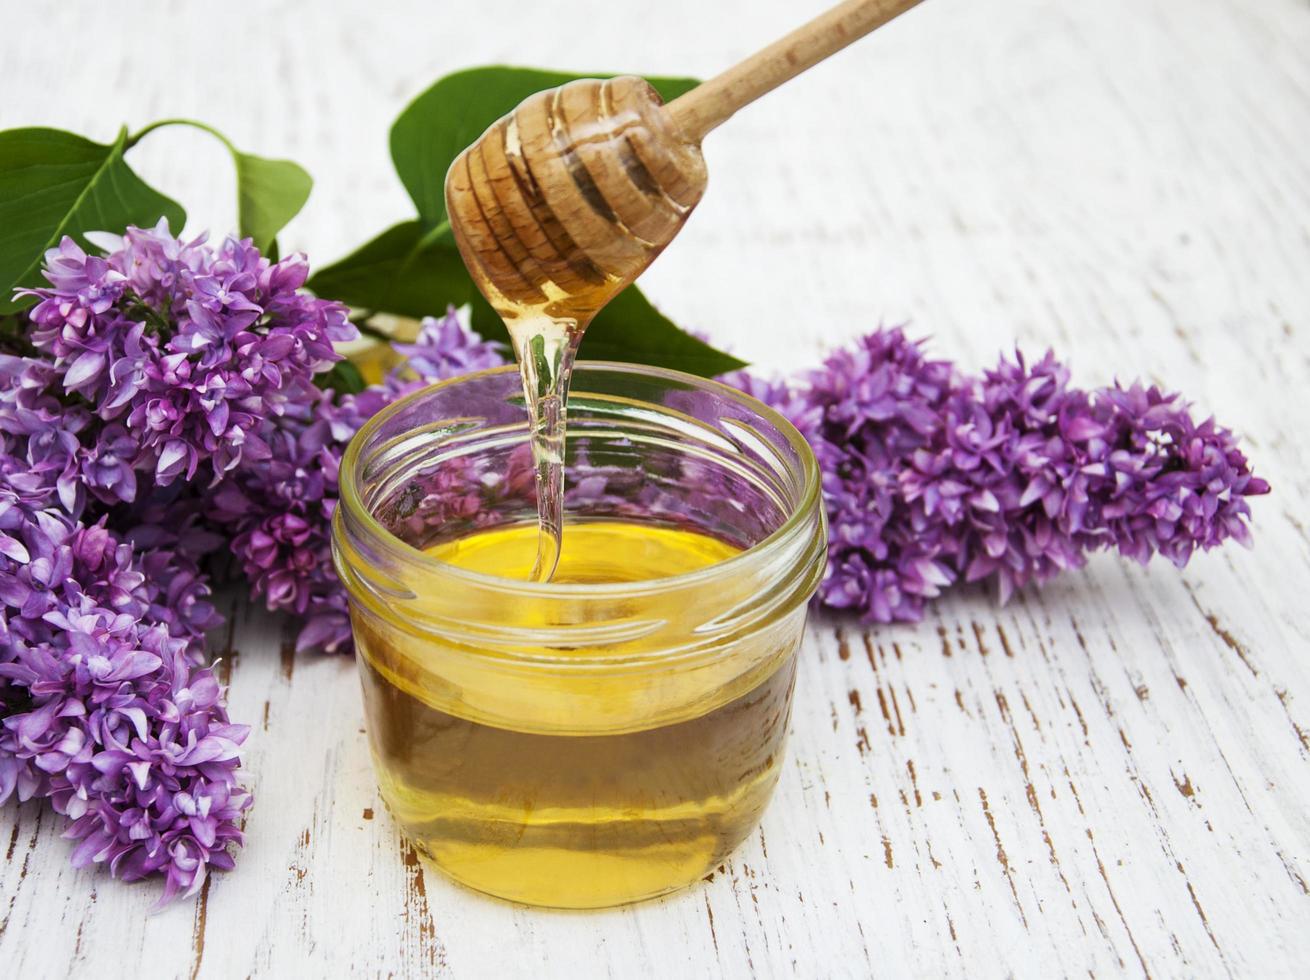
106 709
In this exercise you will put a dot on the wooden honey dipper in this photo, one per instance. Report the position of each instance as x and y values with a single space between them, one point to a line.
565 201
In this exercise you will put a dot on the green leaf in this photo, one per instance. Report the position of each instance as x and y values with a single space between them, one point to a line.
411 273
54 183
342 377
407 272
366 278
437 126
631 329
269 194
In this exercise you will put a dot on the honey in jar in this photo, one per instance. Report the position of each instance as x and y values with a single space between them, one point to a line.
613 733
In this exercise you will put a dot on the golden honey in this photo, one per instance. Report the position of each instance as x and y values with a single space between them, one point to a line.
567 817
612 734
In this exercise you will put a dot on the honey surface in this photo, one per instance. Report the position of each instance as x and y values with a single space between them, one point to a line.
598 552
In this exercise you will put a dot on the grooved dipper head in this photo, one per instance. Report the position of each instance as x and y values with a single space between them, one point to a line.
567 199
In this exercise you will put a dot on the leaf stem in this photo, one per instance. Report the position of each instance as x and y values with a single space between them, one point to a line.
431 236
136 137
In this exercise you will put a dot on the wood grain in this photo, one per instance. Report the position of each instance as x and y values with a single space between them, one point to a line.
564 201
1109 777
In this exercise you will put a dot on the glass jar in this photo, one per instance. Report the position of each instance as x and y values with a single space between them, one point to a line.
579 744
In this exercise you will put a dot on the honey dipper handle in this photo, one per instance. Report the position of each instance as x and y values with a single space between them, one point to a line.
712 102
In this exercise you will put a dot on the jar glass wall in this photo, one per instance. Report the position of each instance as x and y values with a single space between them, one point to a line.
613 734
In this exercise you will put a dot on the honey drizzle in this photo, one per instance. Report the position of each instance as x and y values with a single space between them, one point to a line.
558 207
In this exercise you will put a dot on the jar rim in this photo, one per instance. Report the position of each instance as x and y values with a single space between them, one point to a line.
351 499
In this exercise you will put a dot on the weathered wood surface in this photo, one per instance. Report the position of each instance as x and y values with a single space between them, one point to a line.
1111 776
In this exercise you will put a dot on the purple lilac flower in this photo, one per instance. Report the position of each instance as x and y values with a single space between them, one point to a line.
1157 481
190 347
162 360
989 487
444 349
932 477
278 512
865 412
106 709
40 440
278 509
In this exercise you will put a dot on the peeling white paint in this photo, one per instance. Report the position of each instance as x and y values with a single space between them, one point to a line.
1110 776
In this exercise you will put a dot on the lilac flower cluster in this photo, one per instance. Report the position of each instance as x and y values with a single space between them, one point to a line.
278 514
104 707
183 348
278 510
141 377
444 349
108 712
934 477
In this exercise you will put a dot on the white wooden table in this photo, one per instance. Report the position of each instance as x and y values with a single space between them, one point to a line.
1111 776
